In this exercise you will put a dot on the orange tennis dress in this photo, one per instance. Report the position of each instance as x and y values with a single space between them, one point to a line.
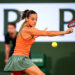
20 59
23 46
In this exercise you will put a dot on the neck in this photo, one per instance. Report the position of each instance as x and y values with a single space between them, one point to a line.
13 34
27 24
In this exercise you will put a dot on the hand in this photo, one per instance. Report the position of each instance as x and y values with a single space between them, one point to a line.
45 29
6 60
69 30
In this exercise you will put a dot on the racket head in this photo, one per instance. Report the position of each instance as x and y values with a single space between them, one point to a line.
71 24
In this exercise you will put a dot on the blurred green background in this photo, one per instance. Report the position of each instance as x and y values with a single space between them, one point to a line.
60 60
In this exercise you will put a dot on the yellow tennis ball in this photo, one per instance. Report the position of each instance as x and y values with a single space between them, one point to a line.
54 44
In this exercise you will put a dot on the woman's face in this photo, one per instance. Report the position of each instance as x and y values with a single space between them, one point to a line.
32 20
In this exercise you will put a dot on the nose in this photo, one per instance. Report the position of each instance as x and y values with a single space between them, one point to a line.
34 22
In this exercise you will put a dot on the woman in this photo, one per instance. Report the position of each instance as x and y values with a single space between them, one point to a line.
20 61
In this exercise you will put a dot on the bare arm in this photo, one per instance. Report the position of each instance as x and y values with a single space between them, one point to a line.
7 50
28 32
36 32
47 33
44 30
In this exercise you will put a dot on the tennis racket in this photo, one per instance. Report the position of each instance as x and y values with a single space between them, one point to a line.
71 24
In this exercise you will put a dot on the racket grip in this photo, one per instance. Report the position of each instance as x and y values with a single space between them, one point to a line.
70 32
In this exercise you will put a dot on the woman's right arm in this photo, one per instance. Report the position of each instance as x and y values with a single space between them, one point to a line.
36 32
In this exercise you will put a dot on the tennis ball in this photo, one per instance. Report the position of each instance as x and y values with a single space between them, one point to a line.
54 44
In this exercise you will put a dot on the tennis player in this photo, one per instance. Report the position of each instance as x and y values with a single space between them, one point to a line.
19 62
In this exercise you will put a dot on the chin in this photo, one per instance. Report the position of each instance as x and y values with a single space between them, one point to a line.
10 33
33 25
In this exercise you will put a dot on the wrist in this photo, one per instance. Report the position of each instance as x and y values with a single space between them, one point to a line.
64 32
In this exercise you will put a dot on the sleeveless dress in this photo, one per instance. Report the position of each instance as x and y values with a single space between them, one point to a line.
20 59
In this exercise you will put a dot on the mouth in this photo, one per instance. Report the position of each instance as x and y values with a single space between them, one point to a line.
34 24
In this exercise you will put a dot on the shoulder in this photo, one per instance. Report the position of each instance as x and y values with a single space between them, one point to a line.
7 34
7 38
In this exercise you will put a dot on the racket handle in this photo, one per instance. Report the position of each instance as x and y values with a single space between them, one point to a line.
70 32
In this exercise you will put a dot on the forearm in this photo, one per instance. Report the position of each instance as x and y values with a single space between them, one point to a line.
55 33
36 32
7 51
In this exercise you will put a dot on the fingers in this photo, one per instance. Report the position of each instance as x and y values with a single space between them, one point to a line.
6 60
45 29
70 30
